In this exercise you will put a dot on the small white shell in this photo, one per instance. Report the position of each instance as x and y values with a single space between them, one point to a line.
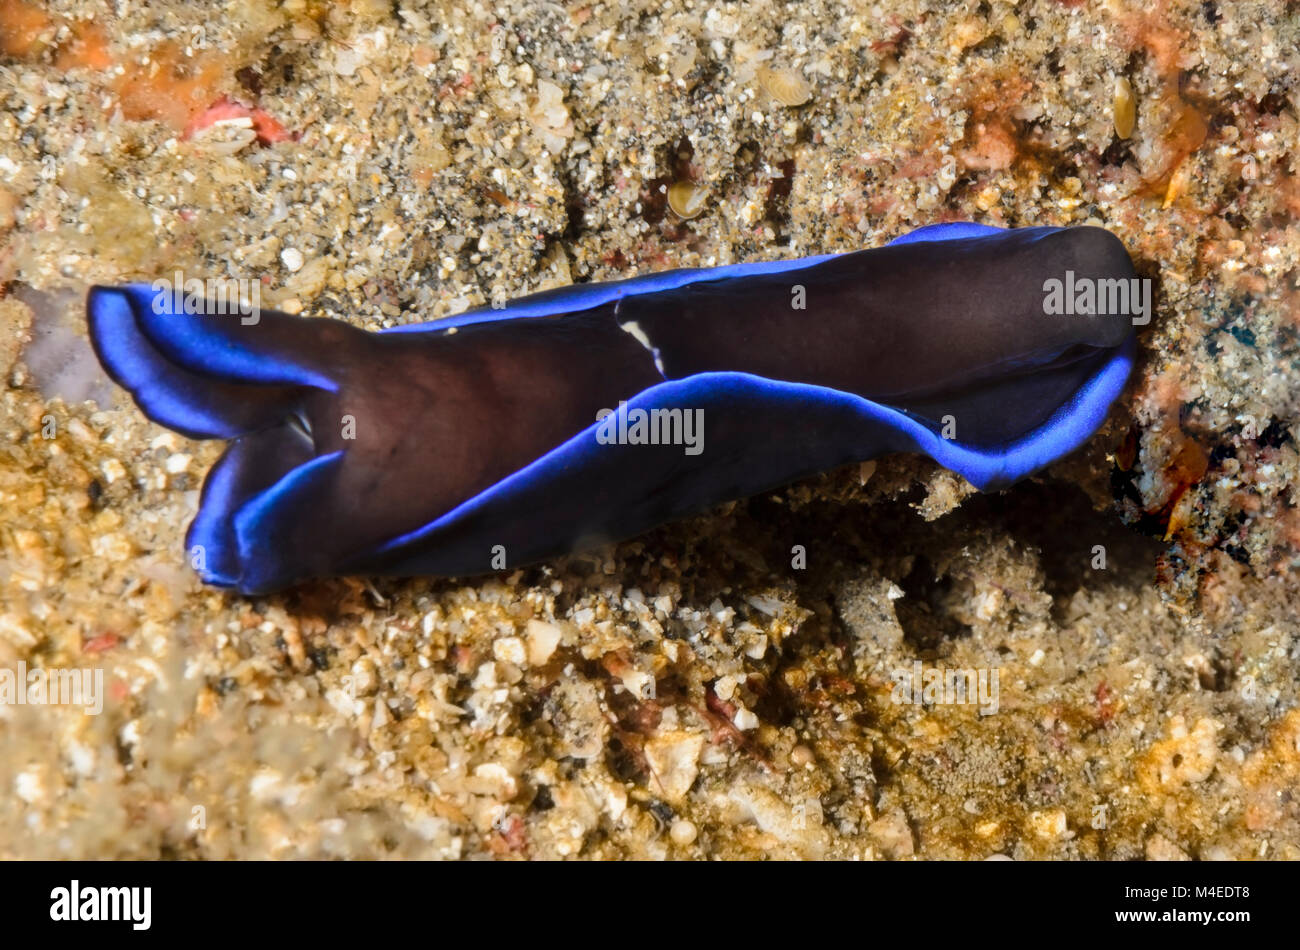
786 86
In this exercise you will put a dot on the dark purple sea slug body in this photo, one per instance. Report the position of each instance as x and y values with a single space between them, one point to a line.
463 446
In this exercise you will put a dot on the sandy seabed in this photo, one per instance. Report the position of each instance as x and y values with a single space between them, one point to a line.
693 692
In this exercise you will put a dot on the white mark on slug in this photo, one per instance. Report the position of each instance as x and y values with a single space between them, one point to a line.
634 329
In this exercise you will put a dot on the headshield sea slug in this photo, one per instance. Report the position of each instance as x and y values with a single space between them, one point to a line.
595 412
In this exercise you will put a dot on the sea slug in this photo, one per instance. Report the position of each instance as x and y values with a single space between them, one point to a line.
592 413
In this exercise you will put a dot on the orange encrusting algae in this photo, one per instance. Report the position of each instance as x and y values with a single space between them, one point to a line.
22 28
1183 126
167 83
87 49
171 87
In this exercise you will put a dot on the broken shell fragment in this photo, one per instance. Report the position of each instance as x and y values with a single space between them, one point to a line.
1124 108
687 199
786 86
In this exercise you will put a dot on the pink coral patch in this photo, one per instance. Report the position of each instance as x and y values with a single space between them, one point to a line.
268 129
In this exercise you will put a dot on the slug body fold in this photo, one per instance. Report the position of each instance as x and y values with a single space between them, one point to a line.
593 413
